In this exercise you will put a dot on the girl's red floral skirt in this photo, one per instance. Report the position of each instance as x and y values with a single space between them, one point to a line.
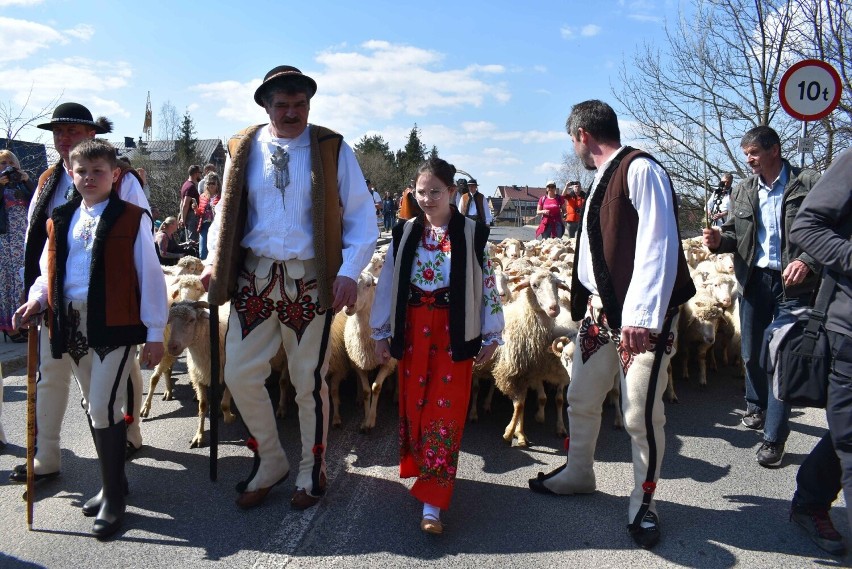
433 401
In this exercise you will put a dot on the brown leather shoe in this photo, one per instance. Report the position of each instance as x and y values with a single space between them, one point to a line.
432 525
301 500
253 498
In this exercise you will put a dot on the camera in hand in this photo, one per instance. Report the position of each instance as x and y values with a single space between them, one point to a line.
12 173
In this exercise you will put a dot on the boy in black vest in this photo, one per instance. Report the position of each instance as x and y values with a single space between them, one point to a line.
105 293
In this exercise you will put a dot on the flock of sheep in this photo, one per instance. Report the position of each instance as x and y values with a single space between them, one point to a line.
532 279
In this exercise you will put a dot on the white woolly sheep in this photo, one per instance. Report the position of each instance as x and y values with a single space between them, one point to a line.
188 265
361 349
184 287
190 322
527 335
699 320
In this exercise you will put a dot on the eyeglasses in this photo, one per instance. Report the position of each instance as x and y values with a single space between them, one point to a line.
434 193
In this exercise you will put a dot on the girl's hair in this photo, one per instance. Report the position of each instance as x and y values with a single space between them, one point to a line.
439 168
11 155
170 220
212 177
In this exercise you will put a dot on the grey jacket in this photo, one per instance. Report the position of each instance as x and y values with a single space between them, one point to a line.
823 228
739 233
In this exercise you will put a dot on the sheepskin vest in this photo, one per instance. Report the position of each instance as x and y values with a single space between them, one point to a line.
113 301
467 252
326 214
37 232
613 224
464 205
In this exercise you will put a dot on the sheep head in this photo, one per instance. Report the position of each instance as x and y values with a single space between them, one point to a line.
542 289
185 317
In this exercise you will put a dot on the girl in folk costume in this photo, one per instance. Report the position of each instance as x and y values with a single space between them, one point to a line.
444 314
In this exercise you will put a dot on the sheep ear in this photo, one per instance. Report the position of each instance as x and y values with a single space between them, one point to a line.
175 294
515 278
562 285
200 304
521 286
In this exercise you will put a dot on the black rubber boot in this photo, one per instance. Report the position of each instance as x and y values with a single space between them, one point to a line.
93 504
110 443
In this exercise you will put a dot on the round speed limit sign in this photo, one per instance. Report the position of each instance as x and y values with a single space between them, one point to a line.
810 90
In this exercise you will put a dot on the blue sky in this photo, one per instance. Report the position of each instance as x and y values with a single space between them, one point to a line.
489 83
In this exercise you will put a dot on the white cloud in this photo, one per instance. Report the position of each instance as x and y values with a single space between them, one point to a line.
646 18
4 3
540 68
590 30
566 32
78 79
21 38
547 168
377 81
81 31
533 136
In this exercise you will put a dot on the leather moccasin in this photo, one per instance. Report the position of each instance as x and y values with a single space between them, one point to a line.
253 498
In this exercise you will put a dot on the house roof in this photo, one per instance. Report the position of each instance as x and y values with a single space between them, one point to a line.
209 150
32 155
522 193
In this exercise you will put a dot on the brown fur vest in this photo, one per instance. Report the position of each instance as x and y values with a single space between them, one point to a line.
326 214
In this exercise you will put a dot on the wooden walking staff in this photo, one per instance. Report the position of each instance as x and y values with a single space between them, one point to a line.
32 368
213 395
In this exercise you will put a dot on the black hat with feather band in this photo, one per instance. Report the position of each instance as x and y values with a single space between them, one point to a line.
75 113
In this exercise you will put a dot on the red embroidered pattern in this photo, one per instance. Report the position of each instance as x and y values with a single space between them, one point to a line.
299 312
592 337
253 308
627 358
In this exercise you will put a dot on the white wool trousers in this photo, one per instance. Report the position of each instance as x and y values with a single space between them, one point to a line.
52 389
598 360
276 304
102 373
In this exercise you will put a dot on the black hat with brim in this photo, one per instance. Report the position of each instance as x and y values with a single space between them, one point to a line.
73 113
284 75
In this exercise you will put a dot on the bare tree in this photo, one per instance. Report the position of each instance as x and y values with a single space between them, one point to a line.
572 170
170 122
15 119
716 78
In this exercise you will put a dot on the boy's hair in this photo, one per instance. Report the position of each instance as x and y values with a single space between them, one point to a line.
94 149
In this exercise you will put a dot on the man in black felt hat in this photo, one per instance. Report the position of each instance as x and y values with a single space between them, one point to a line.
473 204
293 231
70 124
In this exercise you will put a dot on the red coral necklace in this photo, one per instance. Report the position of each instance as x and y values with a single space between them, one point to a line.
440 246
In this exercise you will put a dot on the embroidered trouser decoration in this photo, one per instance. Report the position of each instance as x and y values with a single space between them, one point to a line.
102 373
642 382
253 338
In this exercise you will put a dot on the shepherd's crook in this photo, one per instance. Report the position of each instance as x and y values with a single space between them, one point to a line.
213 395
32 367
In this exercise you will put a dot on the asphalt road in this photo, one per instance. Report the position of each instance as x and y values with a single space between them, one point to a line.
718 508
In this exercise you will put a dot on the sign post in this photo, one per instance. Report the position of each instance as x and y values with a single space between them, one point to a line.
809 91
